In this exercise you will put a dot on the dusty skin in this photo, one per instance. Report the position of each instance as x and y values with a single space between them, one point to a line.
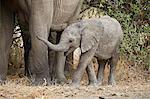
131 84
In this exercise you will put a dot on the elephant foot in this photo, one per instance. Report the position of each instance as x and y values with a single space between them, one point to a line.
41 81
100 82
112 82
61 80
93 84
2 82
75 84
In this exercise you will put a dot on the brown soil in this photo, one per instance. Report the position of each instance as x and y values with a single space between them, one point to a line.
18 90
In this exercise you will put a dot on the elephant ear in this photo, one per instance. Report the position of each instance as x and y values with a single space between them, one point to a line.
90 36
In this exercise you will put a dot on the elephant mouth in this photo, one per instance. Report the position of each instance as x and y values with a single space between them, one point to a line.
66 53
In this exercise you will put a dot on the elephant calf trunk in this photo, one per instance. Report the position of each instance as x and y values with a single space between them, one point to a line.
57 47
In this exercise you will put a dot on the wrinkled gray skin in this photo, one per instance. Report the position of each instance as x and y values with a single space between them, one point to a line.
99 37
65 13
37 14
36 17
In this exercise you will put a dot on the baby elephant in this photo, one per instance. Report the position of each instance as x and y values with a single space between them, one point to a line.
99 37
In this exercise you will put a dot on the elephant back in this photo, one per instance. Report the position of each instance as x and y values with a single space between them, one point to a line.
64 10
110 37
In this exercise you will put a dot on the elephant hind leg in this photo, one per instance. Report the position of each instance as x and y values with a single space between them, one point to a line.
26 42
6 30
100 74
27 46
26 39
113 62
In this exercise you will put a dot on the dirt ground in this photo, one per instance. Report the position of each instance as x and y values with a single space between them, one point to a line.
132 83
17 89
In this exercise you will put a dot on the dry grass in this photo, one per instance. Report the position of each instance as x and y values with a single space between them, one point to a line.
20 90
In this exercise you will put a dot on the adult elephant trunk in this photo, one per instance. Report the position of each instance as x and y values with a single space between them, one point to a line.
58 47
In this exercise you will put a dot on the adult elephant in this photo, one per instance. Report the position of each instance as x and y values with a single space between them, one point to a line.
37 14
36 17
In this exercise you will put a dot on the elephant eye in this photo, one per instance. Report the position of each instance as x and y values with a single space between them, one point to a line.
70 41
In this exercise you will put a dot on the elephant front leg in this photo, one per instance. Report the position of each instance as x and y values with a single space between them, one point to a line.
5 43
38 63
39 25
6 31
84 61
91 74
60 63
3 64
